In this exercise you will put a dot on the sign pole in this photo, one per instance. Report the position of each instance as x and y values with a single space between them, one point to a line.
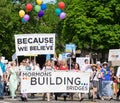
17 61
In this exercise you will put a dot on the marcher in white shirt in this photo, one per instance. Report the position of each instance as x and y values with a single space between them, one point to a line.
94 80
118 72
85 66
118 75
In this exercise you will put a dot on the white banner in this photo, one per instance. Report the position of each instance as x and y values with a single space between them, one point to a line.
114 55
31 44
81 61
55 81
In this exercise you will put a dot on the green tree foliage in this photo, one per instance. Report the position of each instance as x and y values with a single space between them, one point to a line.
6 28
92 24
11 24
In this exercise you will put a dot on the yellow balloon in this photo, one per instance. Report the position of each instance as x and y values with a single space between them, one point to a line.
39 2
21 13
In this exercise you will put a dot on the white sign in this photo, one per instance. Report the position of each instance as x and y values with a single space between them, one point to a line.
31 44
114 55
14 57
81 61
54 81
70 48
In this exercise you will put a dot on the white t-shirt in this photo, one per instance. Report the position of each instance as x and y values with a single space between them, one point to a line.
118 72
48 68
85 67
36 68
1 73
96 76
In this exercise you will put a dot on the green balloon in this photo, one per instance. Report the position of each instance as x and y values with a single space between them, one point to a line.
58 11
37 8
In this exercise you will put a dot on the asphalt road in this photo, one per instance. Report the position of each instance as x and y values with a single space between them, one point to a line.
38 99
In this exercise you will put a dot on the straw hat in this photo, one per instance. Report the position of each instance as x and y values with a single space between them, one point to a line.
94 65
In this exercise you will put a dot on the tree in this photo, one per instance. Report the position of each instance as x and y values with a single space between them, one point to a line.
11 24
6 24
92 24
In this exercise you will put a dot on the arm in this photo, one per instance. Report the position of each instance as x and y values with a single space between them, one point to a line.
4 73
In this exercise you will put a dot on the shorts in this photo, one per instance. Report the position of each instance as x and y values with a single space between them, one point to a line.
95 84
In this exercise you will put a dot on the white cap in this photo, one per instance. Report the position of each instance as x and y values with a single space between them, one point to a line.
98 62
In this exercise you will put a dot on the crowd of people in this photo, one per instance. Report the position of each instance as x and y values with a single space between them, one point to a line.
104 80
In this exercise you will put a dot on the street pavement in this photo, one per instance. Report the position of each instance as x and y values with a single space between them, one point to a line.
38 99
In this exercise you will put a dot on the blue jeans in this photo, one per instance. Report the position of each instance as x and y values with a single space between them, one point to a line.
106 88
1 88
100 88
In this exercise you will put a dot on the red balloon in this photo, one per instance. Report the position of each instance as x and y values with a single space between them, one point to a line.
29 7
61 5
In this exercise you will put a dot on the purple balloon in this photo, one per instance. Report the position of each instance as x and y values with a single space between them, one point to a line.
40 13
26 17
62 15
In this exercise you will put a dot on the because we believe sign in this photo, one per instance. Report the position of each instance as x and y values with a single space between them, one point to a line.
31 44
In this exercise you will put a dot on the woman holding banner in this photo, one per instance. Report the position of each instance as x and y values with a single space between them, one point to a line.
64 66
48 67
25 66
61 65
76 68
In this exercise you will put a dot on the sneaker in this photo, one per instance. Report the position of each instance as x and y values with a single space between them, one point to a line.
117 98
48 100
81 99
25 100
13 98
102 98
110 98
1 97
93 100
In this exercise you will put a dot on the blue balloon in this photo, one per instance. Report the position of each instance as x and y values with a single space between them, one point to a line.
22 20
43 7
